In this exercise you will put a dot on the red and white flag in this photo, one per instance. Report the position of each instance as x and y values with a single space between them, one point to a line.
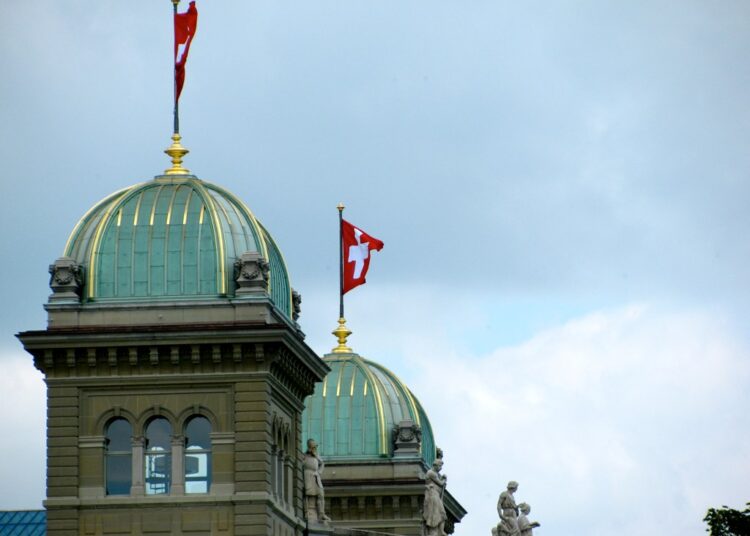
357 246
184 31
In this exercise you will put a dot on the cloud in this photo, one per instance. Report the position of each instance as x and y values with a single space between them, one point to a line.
22 449
627 421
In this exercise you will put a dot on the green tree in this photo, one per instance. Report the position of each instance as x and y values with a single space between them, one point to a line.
726 521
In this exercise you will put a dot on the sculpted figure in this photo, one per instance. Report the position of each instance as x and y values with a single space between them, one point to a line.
524 525
314 497
508 511
433 513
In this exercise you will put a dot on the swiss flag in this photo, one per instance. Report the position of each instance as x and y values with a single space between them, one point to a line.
184 31
357 246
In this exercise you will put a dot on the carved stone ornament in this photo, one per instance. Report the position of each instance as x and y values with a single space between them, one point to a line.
296 304
407 438
66 280
251 272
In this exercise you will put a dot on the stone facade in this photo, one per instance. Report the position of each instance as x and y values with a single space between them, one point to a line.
383 497
247 378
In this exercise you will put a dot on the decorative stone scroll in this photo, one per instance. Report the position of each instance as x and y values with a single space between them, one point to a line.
407 438
251 272
66 280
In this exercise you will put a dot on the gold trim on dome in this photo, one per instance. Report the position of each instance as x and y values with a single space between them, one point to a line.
79 225
97 238
171 204
153 205
258 227
137 208
381 408
369 378
338 382
410 399
219 233
187 207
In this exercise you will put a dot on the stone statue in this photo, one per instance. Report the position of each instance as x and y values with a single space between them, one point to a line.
508 511
314 496
524 525
296 305
433 513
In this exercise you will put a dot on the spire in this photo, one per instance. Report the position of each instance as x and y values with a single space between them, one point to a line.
176 151
342 333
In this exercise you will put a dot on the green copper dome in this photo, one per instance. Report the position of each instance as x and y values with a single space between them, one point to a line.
172 238
352 413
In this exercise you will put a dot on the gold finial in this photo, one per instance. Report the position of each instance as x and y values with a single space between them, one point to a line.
175 2
176 151
341 207
341 333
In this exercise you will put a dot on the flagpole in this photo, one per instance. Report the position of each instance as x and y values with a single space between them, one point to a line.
176 100
341 332
176 151
341 259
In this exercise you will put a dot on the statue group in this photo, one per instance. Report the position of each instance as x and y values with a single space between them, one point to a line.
514 519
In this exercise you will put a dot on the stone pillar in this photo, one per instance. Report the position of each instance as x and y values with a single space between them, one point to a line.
178 466
289 473
280 473
92 461
274 475
137 487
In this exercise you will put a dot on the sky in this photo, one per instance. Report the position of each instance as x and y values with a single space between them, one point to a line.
562 190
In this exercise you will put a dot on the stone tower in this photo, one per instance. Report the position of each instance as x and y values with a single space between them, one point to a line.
175 370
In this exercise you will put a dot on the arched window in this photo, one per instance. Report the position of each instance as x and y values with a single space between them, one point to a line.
197 455
158 456
119 460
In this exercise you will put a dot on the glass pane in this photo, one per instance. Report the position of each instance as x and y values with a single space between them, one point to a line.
197 472
158 471
118 458
118 474
158 434
198 455
158 460
119 435
198 432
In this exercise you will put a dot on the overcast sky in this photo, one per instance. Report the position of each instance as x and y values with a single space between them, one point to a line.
562 189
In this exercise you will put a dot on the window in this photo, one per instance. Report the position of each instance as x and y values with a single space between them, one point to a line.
118 457
158 456
197 455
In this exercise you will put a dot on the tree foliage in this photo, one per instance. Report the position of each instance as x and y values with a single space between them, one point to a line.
726 521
